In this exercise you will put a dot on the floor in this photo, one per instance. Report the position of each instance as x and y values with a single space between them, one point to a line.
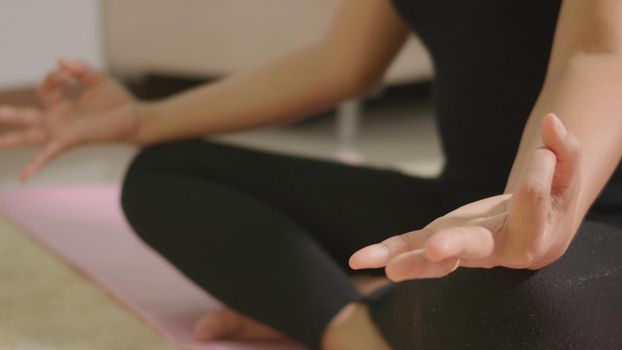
46 306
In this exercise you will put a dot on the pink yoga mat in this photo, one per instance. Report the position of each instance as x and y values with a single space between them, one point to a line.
84 226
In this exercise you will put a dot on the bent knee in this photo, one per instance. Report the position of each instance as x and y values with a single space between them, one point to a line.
162 156
141 183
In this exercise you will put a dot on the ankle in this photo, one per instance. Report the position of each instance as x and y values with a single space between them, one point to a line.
353 328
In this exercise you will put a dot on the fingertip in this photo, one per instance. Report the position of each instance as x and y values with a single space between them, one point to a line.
357 260
23 177
72 66
353 263
559 125
372 256
391 275
549 130
64 62
559 139
29 171
550 118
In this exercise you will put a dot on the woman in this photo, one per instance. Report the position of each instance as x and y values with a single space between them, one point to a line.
271 235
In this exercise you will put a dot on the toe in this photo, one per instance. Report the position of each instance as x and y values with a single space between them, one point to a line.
219 324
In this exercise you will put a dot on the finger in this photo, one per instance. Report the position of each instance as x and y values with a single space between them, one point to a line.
470 243
17 139
19 117
532 195
567 149
415 265
47 154
50 90
377 255
529 210
80 71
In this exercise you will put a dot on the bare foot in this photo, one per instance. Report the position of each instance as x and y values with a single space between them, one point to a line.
353 329
229 324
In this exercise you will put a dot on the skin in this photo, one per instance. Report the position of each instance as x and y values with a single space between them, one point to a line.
561 166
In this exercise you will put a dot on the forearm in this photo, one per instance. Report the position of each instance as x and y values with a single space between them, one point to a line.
585 92
293 86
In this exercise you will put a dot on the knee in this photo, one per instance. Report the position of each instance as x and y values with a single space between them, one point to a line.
160 156
142 182
572 303
134 186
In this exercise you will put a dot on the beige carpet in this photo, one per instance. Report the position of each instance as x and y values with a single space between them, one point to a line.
45 305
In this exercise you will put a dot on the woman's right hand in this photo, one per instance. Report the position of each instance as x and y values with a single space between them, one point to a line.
104 111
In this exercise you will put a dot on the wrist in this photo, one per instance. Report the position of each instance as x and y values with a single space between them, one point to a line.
141 114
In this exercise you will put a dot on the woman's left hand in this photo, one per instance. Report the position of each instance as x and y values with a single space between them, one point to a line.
530 228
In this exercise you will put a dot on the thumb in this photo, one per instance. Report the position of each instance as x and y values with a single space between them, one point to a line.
529 210
378 255
567 149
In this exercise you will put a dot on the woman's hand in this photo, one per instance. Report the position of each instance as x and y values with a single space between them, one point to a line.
528 229
103 111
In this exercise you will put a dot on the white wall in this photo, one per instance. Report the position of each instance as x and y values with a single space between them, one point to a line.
33 33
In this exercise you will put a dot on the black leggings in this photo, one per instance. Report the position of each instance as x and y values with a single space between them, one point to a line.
270 235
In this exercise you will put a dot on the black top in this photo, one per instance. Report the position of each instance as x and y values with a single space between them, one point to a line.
490 59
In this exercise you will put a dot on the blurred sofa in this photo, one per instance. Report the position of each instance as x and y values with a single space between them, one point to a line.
210 38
